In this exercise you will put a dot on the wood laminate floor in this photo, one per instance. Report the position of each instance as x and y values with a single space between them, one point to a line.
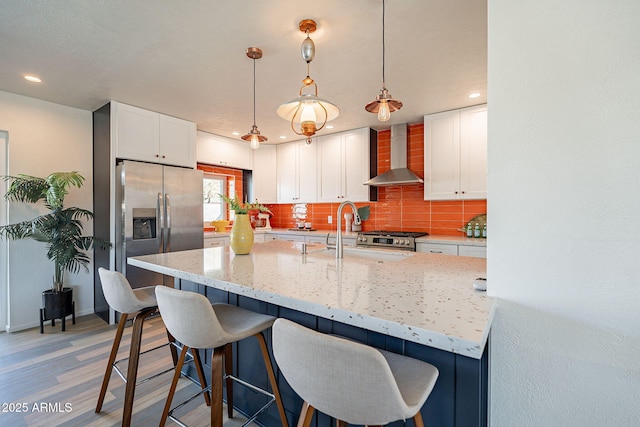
54 379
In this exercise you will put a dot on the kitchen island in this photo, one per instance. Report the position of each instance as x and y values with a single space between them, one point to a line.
420 305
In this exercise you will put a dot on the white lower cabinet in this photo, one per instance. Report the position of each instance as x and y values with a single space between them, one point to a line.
452 249
212 242
437 248
289 237
473 251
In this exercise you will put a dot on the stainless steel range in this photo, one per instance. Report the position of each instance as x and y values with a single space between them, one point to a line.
404 240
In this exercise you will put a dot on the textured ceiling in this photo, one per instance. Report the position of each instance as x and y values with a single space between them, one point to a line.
187 59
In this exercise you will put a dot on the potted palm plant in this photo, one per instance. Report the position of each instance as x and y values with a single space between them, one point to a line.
60 229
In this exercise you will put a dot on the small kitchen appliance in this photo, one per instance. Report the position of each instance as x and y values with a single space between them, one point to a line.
403 240
263 221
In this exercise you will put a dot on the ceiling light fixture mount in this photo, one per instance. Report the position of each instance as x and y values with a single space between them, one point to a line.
308 110
384 104
254 136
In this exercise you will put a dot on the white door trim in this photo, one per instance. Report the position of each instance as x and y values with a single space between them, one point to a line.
4 244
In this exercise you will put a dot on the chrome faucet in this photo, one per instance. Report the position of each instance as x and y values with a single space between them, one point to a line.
356 221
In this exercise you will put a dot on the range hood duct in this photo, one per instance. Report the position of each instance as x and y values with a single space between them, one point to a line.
399 173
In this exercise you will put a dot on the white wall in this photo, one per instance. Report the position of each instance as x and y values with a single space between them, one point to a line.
4 245
564 203
44 138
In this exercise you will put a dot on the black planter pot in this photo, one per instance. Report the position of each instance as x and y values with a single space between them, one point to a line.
57 305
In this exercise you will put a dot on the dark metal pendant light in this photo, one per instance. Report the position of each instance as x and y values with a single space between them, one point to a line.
254 136
384 104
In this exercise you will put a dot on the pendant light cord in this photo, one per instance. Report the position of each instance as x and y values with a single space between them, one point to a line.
383 45
254 92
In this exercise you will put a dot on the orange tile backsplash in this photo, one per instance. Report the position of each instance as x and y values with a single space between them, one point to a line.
399 208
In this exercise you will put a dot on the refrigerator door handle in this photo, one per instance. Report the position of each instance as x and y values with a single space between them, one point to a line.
168 228
160 230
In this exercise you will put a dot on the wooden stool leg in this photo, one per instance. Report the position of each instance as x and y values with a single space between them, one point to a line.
216 386
134 358
112 357
340 423
417 420
228 370
203 380
272 377
172 348
174 383
306 415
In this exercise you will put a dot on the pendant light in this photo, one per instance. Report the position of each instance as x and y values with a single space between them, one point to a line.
254 136
384 104
310 112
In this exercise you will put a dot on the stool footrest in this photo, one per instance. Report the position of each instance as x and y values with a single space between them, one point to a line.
271 396
144 380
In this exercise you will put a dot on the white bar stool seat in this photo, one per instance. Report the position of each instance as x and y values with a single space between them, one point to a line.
350 381
198 324
140 302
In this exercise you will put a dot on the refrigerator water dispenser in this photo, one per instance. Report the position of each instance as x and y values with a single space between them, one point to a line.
144 223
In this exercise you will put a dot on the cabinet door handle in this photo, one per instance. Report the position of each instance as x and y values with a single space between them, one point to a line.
436 252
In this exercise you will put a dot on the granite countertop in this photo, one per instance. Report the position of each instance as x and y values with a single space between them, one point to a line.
423 298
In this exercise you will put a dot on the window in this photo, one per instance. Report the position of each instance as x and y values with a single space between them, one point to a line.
213 207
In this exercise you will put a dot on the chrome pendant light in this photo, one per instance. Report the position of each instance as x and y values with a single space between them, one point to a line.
384 104
310 112
254 136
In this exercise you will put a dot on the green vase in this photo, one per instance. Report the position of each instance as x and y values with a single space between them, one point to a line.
241 238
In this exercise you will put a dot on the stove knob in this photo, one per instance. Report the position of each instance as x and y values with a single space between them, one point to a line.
403 242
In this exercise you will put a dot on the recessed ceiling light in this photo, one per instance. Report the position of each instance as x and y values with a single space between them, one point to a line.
329 126
474 95
32 79
236 133
283 137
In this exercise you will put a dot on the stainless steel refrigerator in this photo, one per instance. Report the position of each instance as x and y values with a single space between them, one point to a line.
158 209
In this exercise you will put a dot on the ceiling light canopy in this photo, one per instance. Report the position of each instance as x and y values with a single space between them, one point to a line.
384 104
254 136
310 112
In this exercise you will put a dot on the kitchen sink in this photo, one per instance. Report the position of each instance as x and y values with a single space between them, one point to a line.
360 253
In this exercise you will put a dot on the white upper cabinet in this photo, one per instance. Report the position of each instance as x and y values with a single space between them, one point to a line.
152 137
343 166
264 174
218 150
455 154
296 172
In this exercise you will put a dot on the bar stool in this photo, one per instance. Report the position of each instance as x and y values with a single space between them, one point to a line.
198 324
141 302
349 381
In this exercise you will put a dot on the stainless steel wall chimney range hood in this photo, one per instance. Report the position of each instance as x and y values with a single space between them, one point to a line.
399 173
